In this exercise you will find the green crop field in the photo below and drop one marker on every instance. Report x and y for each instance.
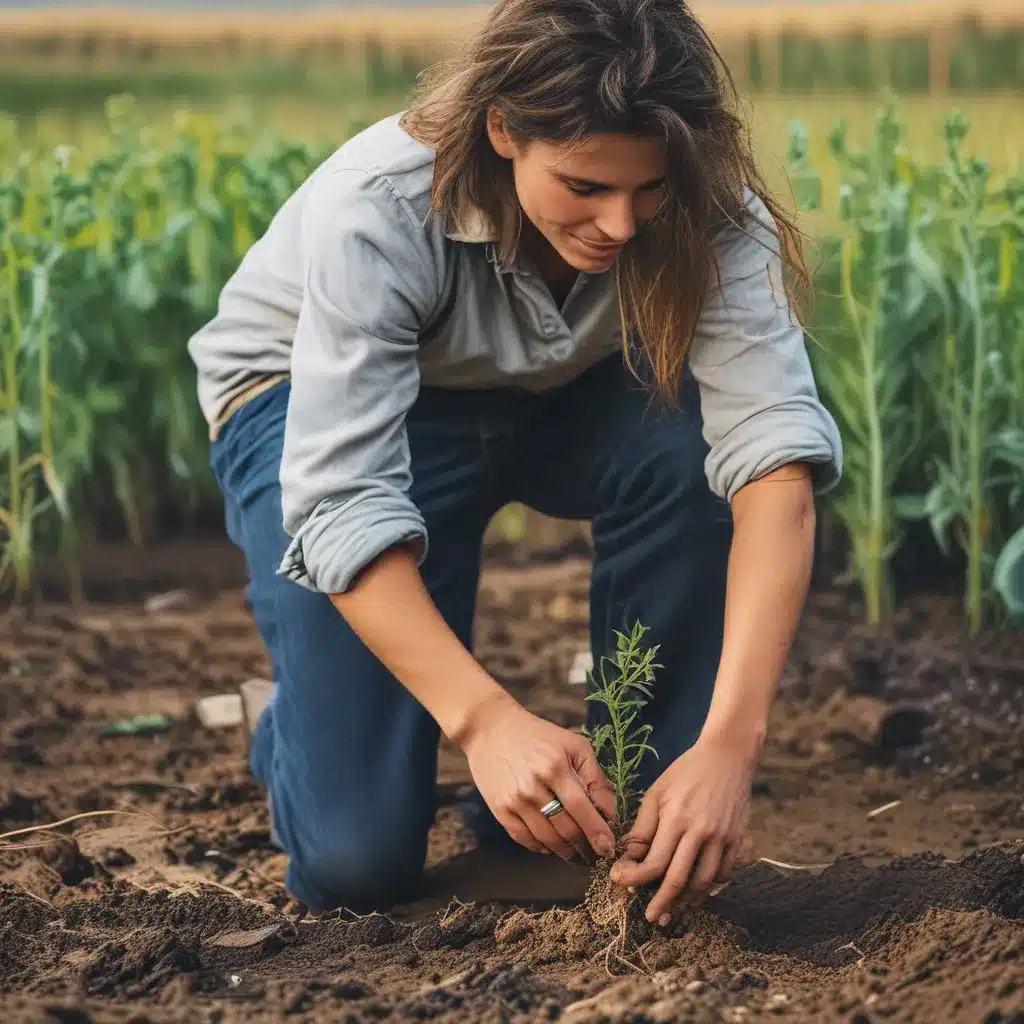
(120, 222)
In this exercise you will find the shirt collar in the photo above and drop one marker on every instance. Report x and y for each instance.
(473, 226)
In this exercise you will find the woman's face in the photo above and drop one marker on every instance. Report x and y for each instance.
(586, 200)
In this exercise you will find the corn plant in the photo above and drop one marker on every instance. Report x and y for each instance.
(921, 356)
(977, 468)
(891, 302)
(620, 742)
(1008, 570)
(108, 263)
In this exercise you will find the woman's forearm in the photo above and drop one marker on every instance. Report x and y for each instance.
(391, 611)
(769, 573)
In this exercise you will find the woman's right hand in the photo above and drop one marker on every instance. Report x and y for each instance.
(520, 762)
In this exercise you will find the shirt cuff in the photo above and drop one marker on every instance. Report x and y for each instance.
(796, 430)
(339, 540)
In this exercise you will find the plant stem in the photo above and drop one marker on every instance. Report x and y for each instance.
(12, 399)
(975, 445)
(872, 542)
(875, 582)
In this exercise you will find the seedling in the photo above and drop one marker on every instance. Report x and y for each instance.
(621, 744)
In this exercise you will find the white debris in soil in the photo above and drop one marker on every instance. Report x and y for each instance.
(582, 663)
(221, 711)
(166, 602)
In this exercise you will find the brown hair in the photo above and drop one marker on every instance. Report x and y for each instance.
(561, 70)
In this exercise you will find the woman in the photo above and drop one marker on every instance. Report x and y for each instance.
(472, 304)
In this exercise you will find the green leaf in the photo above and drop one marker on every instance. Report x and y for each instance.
(8, 433)
(57, 490)
(1008, 574)
(105, 400)
(911, 506)
(140, 725)
(139, 289)
(29, 421)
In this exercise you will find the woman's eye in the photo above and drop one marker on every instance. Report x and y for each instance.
(582, 190)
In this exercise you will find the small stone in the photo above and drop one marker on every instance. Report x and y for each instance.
(695, 987)
(221, 711)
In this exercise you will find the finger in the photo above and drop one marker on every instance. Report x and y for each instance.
(517, 829)
(676, 878)
(595, 784)
(638, 843)
(545, 833)
(657, 858)
(728, 862)
(570, 788)
(702, 878)
(565, 825)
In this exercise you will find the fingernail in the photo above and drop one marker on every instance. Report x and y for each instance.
(664, 920)
(631, 888)
(616, 874)
(605, 846)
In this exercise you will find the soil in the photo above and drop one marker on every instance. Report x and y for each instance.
(885, 882)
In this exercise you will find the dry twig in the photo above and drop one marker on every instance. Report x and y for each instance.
(77, 817)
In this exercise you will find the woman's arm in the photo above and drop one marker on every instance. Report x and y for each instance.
(424, 653)
(772, 444)
(693, 819)
(769, 573)
(518, 761)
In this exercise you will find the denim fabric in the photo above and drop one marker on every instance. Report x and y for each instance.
(347, 754)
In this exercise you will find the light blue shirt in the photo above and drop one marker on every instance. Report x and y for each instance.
(358, 296)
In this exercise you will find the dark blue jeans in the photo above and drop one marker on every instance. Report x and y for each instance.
(347, 754)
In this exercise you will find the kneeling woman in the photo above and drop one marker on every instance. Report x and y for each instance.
(557, 279)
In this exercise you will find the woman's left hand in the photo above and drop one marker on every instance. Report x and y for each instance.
(690, 826)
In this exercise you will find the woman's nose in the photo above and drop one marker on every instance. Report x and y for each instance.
(616, 219)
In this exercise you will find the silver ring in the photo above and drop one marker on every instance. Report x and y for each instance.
(549, 810)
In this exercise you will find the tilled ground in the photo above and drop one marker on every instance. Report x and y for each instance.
(887, 881)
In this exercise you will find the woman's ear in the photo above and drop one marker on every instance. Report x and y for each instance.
(499, 136)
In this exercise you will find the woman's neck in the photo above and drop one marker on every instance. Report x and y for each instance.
(558, 275)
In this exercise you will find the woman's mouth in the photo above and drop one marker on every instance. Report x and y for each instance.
(602, 250)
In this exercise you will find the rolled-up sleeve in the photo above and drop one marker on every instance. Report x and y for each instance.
(370, 278)
(759, 400)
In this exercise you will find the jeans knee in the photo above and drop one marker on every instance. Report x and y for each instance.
(362, 869)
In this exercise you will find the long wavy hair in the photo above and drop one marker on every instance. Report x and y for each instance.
(562, 70)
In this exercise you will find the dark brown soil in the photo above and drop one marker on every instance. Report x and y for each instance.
(176, 911)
